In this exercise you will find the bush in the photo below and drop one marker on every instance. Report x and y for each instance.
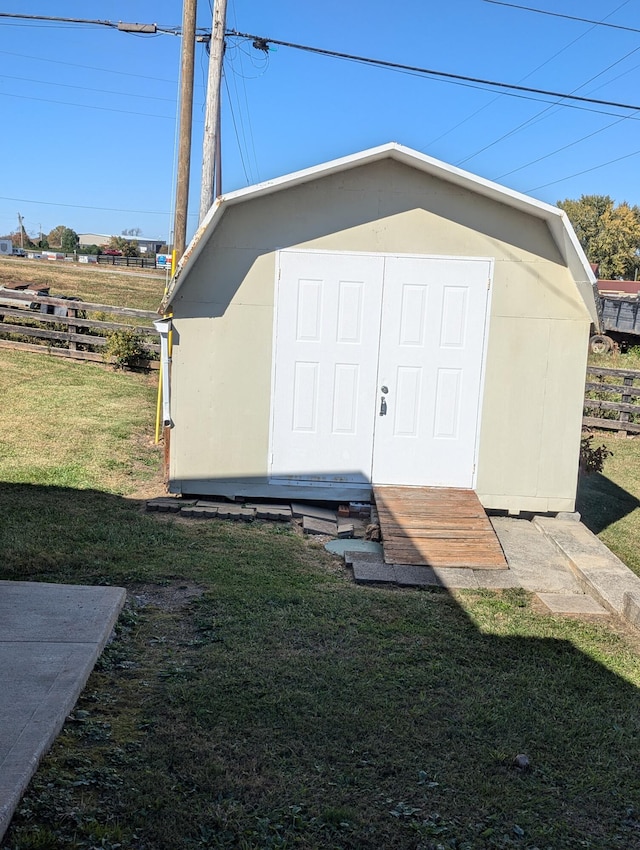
(124, 349)
(592, 459)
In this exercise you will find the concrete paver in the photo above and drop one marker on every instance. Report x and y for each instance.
(572, 603)
(533, 559)
(371, 570)
(50, 638)
(601, 573)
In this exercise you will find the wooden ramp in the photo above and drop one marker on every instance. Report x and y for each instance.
(436, 527)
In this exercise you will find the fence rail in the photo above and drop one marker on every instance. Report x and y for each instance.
(613, 391)
(62, 327)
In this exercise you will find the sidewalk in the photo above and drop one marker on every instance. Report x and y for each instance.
(50, 638)
(559, 560)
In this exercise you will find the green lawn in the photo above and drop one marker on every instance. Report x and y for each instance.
(282, 706)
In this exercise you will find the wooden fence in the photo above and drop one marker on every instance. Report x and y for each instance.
(71, 332)
(612, 393)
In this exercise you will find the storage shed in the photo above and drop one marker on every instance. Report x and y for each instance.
(384, 318)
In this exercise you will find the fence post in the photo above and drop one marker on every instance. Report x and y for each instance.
(626, 399)
(73, 329)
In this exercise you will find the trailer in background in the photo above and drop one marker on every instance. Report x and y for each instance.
(620, 323)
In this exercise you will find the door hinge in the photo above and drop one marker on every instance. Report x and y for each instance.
(489, 284)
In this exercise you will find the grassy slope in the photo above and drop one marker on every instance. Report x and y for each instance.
(286, 707)
(76, 424)
(610, 503)
(140, 288)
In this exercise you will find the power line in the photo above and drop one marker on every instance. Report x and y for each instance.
(84, 207)
(87, 67)
(586, 171)
(85, 88)
(150, 29)
(535, 118)
(262, 43)
(87, 106)
(538, 116)
(559, 15)
(522, 79)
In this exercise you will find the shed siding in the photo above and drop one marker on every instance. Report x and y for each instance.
(539, 326)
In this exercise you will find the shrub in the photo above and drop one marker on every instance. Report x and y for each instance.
(124, 349)
(592, 458)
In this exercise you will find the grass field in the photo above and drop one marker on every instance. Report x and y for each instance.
(256, 698)
(139, 288)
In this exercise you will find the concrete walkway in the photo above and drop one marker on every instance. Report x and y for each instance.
(559, 560)
(50, 638)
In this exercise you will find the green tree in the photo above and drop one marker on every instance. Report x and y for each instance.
(126, 246)
(609, 235)
(54, 238)
(69, 240)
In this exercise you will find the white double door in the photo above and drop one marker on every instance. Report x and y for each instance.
(378, 367)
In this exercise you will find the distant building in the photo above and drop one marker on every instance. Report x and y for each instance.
(102, 240)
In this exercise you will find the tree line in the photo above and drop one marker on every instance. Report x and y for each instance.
(609, 234)
(66, 240)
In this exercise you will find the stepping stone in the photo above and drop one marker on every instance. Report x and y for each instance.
(298, 509)
(345, 529)
(165, 505)
(353, 547)
(571, 603)
(275, 512)
(373, 572)
(281, 513)
(409, 575)
(496, 579)
(203, 513)
(310, 525)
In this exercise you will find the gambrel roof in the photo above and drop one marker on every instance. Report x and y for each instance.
(556, 219)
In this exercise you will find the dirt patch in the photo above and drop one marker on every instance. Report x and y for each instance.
(170, 597)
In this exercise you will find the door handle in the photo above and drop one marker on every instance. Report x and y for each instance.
(383, 406)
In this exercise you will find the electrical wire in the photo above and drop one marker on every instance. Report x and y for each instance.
(83, 207)
(567, 17)
(381, 63)
(548, 109)
(85, 88)
(522, 79)
(235, 127)
(585, 171)
(87, 67)
(87, 106)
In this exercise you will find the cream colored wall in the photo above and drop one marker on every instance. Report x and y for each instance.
(537, 342)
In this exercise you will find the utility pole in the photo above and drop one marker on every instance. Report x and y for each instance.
(184, 133)
(211, 141)
(21, 228)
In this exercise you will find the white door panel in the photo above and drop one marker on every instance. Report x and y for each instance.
(430, 361)
(326, 349)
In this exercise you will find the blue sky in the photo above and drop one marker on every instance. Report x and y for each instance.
(90, 130)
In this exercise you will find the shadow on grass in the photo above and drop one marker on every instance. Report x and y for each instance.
(601, 502)
(289, 708)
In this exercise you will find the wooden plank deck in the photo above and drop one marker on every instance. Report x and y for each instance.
(436, 527)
